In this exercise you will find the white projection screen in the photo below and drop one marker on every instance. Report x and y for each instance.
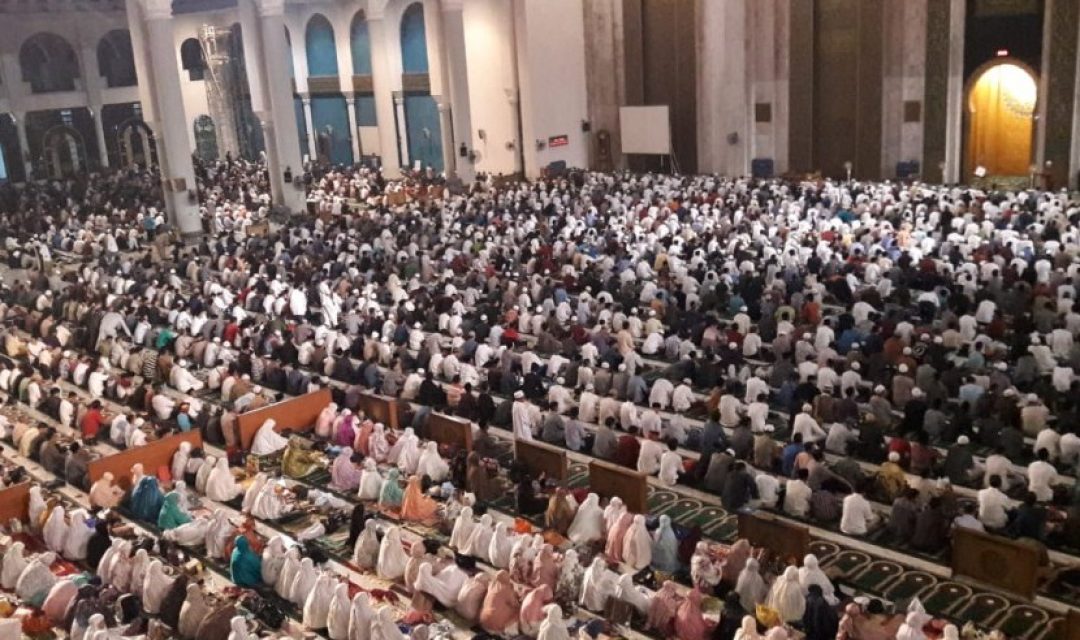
(645, 130)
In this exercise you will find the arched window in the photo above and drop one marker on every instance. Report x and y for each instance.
(321, 50)
(360, 44)
(414, 57)
(48, 63)
(116, 61)
(191, 58)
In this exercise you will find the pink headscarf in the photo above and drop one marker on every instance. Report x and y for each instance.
(614, 547)
(532, 606)
(346, 435)
(344, 473)
(545, 569)
(689, 623)
(500, 609)
(59, 599)
(662, 609)
(471, 597)
(325, 421)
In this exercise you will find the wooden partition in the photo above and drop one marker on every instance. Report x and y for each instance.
(789, 541)
(449, 430)
(296, 414)
(539, 457)
(15, 503)
(609, 480)
(1000, 562)
(1072, 625)
(151, 456)
(382, 409)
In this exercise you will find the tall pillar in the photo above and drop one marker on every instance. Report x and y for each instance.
(92, 85)
(178, 174)
(24, 144)
(380, 34)
(402, 130)
(954, 121)
(313, 154)
(457, 83)
(440, 79)
(723, 119)
(265, 54)
(99, 130)
(354, 130)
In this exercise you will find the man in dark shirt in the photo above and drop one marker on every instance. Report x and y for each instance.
(627, 449)
(739, 488)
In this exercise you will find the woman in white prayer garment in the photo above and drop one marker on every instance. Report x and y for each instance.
(337, 617)
(218, 535)
(361, 617)
(463, 526)
(289, 569)
(597, 585)
(55, 529)
(786, 596)
(588, 524)
(316, 604)
(155, 587)
(637, 545)
(273, 559)
(267, 441)
(303, 582)
(221, 486)
(500, 547)
(751, 586)
(252, 492)
(392, 558)
(480, 538)
(406, 452)
(553, 626)
(190, 534)
(632, 594)
(432, 464)
(36, 579)
(811, 573)
(443, 586)
(370, 481)
(366, 549)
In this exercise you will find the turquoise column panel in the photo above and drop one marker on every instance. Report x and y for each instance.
(423, 131)
(301, 125)
(330, 118)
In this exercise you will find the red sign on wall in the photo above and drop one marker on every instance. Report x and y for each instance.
(559, 141)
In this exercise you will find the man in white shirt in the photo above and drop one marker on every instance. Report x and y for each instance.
(992, 505)
(67, 410)
(522, 416)
(797, 495)
(683, 396)
(671, 465)
(730, 411)
(858, 516)
(806, 425)
(1041, 477)
(649, 456)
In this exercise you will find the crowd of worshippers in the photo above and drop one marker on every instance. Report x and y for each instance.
(914, 328)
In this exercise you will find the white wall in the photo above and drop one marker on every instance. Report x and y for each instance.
(551, 62)
(489, 57)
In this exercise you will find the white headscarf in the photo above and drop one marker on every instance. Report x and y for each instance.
(810, 573)
(444, 586)
(238, 629)
(612, 512)
(588, 525)
(180, 460)
(480, 538)
(253, 490)
(637, 544)
(366, 549)
(317, 605)
(361, 617)
(78, 535)
(406, 452)
(463, 526)
(597, 585)
(155, 587)
(628, 592)
(385, 626)
(787, 597)
(203, 474)
(219, 534)
(431, 464)
(273, 558)
(221, 486)
(289, 569)
(337, 617)
(192, 612)
(392, 558)
(139, 566)
(55, 530)
(268, 441)
(502, 543)
(14, 563)
(370, 481)
(37, 578)
(303, 582)
(748, 630)
(751, 586)
(37, 505)
(553, 627)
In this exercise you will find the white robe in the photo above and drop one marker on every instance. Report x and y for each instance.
(252, 491)
(463, 527)
(337, 617)
(317, 605)
(361, 617)
(36, 579)
(14, 563)
(370, 482)
(218, 534)
(273, 559)
(500, 547)
(431, 464)
(443, 586)
(588, 523)
(268, 441)
(810, 573)
(304, 581)
(221, 486)
(289, 569)
(366, 549)
(78, 536)
(637, 545)
(597, 585)
(480, 539)
(392, 558)
(55, 530)
(632, 594)
(190, 534)
(553, 627)
(787, 597)
(155, 587)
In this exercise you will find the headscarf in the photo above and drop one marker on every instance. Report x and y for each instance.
(366, 549)
(406, 452)
(37, 507)
(786, 596)
(304, 582)
(361, 617)
(146, 499)
(252, 492)
(325, 421)
(751, 586)
(614, 509)
(912, 629)
(553, 626)
(316, 604)
(36, 579)
(689, 623)
(477, 480)
(202, 476)
(172, 513)
(55, 529)
(245, 566)
(77, 536)
(463, 526)
(471, 597)
(560, 514)
(267, 441)
(104, 493)
(139, 565)
(378, 445)
(415, 506)
(810, 573)
(337, 617)
(219, 534)
(628, 592)
(479, 541)
(392, 558)
(299, 461)
(385, 625)
(662, 609)
(637, 545)
(192, 612)
(597, 585)
(180, 460)
(238, 629)
(616, 535)
(431, 464)
(345, 436)
(221, 486)
(370, 481)
(289, 568)
(588, 524)
(500, 546)
(59, 600)
(273, 558)
(665, 547)
(444, 586)
(568, 589)
(392, 493)
(362, 439)
(155, 587)
(748, 630)
(344, 472)
(532, 609)
(545, 568)
(499, 613)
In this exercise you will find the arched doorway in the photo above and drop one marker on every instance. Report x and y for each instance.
(136, 147)
(1001, 99)
(64, 152)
